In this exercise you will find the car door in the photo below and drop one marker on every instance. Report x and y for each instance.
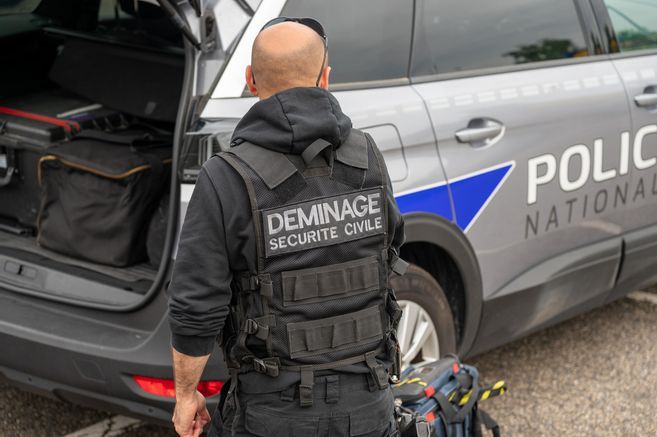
(528, 121)
(632, 27)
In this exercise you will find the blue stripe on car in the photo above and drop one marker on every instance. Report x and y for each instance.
(471, 194)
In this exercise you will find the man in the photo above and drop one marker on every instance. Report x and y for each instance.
(285, 254)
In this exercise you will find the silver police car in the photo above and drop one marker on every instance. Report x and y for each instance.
(520, 135)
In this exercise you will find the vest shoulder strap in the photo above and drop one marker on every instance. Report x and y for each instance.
(272, 167)
(353, 152)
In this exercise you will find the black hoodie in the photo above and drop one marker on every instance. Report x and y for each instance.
(290, 120)
(217, 237)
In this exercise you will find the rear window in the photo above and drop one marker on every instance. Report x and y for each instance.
(367, 39)
(635, 23)
(461, 35)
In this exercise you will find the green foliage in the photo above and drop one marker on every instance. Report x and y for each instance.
(545, 50)
(636, 40)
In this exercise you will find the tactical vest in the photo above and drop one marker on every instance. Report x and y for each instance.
(320, 298)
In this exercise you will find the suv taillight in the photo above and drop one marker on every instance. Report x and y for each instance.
(166, 387)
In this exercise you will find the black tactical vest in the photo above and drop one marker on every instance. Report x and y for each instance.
(319, 299)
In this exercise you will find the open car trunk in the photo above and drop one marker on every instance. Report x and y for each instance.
(86, 146)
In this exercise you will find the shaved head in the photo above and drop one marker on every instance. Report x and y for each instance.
(286, 55)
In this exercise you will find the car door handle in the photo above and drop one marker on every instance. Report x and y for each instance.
(647, 99)
(481, 132)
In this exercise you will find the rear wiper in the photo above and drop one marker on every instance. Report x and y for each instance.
(179, 23)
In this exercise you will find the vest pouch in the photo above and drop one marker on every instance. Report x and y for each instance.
(333, 281)
(265, 423)
(334, 334)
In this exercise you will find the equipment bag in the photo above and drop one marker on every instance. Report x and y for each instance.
(445, 394)
(157, 231)
(29, 125)
(98, 193)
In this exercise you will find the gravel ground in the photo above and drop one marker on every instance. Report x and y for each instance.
(593, 375)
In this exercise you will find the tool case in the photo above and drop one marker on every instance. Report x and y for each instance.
(29, 125)
(445, 394)
(99, 191)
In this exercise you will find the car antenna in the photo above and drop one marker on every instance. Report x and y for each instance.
(179, 22)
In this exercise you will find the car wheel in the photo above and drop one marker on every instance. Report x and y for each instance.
(426, 329)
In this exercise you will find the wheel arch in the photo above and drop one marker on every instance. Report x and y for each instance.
(446, 236)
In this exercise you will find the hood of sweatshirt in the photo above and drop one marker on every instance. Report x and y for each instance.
(291, 120)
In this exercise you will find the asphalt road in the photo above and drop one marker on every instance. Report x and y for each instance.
(593, 375)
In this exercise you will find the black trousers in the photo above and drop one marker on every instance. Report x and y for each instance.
(344, 405)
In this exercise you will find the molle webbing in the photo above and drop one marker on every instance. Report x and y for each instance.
(330, 282)
(333, 334)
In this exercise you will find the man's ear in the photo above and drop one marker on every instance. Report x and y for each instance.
(324, 79)
(250, 80)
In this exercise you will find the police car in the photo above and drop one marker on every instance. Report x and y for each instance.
(520, 136)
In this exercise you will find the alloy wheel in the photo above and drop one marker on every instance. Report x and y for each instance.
(417, 335)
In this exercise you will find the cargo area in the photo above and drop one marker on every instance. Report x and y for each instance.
(86, 147)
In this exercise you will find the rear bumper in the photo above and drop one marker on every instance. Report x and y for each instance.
(37, 357)
(44, 387)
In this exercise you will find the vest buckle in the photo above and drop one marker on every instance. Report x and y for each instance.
(379, 374)
(267, 366)
(251, 326)
(254, 327)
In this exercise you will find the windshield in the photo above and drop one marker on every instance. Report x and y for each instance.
(11, 7)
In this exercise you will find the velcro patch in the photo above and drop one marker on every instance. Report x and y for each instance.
(323, 222)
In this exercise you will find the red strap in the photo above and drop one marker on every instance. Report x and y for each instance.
(67, 125)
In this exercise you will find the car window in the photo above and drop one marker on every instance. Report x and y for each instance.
(461, 35)
(10, 7)
(635, 23)
(367, 39)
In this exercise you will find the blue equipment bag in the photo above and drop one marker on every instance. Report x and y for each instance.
(445, 395)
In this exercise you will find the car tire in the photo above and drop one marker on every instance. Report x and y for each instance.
(418, 287)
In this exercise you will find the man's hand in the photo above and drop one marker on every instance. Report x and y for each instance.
(191, 415)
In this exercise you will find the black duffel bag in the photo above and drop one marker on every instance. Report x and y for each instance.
(157, 231)
(98, 193)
